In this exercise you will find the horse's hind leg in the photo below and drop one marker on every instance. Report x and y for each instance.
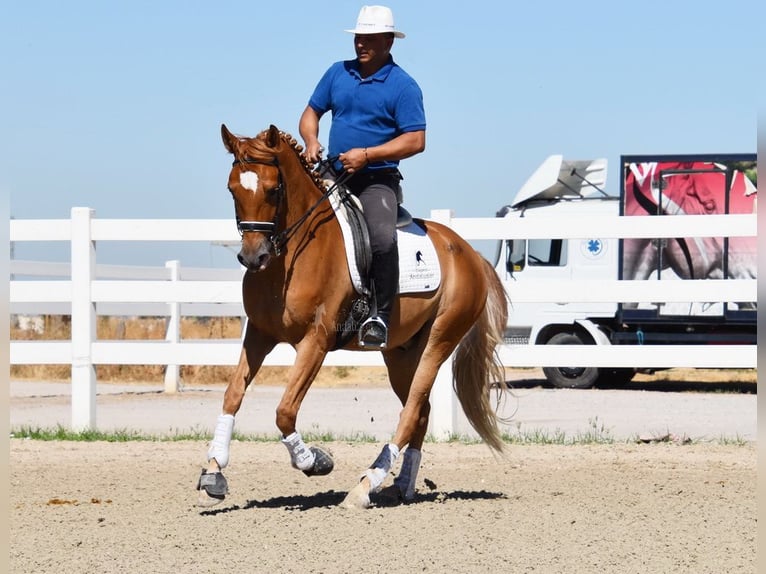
(412, 426)
(402, 365)
(212, 485)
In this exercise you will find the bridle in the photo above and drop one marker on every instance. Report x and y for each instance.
(278, 240)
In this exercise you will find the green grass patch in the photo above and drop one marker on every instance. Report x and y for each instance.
(61, 433)
(735, 441)
(597, 434)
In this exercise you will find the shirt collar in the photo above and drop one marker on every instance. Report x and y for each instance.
(379, 76)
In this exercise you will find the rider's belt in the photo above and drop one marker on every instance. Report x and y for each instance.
(384, 171)
(387, 176)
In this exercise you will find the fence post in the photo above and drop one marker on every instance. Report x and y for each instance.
(83, 260)
(444, 405)
(173, 331)
(443, 420)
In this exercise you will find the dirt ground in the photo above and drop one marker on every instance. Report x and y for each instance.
(627, 508)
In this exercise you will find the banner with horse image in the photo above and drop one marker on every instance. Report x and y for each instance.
(686, 186)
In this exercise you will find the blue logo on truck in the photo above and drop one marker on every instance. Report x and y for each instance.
(592, 248)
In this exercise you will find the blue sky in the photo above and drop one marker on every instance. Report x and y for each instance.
(117, 105)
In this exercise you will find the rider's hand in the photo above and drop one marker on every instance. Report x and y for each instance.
(353, 160)
(313, 153)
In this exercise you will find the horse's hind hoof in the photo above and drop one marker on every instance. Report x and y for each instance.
(212, 487)
(391, 496)
(323, 463)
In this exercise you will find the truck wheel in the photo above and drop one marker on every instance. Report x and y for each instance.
(570, 377)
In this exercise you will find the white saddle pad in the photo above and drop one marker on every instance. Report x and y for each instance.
(419, 269)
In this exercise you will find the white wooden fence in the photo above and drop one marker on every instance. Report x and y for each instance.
(89, 289)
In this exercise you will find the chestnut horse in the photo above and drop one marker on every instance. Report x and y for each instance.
(296, 290)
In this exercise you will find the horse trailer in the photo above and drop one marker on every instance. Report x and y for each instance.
(649, 185)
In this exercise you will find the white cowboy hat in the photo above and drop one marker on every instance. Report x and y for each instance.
(375, 20)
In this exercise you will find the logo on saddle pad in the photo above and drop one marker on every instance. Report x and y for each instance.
(419, 269)
(419, 272)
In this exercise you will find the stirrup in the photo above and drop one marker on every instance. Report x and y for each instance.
(373, 334)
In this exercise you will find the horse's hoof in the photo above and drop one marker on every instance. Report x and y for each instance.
(323, 463)
(391, 496)
(357, 498)
(204, 500)
(212, 487)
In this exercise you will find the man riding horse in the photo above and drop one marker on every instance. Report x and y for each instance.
(378, 120)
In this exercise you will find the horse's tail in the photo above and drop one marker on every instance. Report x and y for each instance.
(476, 363)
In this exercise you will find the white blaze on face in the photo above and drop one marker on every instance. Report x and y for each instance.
(249, 180)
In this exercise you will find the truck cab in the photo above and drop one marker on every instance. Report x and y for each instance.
(566, 190)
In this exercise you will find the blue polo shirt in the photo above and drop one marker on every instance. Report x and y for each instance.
(370, 111)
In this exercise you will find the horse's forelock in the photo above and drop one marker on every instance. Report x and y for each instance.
(256, 148)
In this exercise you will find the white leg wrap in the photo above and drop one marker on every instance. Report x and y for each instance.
(219, 446)
(377, 473)
(408, 476)
(300, 455)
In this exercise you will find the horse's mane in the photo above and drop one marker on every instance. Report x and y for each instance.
(258, 148)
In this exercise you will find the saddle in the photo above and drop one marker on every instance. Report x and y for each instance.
(352, 209)
(357, 243)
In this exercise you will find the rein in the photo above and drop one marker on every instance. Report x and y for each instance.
(280, 239)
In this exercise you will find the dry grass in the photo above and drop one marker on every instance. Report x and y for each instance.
(57, 327)
(704, 375)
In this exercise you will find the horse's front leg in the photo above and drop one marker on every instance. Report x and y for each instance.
(313, 461)
(212, 485)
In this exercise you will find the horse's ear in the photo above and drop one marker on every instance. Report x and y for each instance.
(273, 136)
(230, 141)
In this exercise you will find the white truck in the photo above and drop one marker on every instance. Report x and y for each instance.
(649, 185)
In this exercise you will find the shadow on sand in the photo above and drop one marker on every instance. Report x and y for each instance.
(332, 498)
(665, 386)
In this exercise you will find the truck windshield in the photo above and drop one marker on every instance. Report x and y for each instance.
(536, 253)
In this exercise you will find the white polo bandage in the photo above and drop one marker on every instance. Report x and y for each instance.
(219, 446)
(300, 455)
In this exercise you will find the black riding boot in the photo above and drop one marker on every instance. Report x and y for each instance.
(385, 277)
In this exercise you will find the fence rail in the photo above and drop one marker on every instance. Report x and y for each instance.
(85, 289)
